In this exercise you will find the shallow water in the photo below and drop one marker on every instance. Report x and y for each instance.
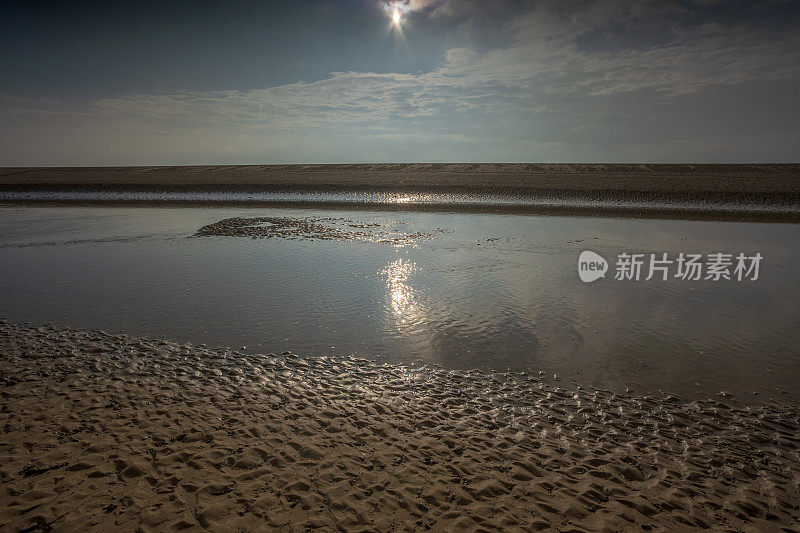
(495, 291)
(357, 199)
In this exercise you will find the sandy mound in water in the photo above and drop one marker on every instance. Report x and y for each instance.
(323, 229)
(119, 433)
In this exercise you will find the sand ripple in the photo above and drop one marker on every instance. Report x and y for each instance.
(116, 432)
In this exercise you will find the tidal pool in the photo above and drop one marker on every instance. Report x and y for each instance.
(461, 290)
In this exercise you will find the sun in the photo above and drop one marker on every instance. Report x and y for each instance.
(396, 17)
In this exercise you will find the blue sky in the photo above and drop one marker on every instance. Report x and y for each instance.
(104, 83)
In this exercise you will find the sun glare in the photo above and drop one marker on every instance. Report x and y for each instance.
(396, 17)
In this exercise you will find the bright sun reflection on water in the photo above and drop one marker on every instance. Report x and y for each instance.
(401, 295)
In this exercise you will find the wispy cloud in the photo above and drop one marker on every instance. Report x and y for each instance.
(529, 76)
(545, 87)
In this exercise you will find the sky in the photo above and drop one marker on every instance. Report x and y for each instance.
(307, 81)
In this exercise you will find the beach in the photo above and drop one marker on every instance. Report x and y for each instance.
(400, 265)
(110, 431)
(582, 177)
(763, 192)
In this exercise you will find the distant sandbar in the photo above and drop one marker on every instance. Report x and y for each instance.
(753, 191)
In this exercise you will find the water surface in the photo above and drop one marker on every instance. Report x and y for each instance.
(493, 291)
(595, 203)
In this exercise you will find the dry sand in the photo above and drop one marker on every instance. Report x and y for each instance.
(112, 432)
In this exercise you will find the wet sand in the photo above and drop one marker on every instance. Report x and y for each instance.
(115, 432)
(696, 191)
(324, 229)
(657, 178)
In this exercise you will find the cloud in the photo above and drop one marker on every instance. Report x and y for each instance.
(566, 77)
(532, 75)
(410, 5)
(459, 57)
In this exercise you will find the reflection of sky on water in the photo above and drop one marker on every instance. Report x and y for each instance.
(498, 291)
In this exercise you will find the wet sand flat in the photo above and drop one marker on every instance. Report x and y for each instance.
(663, 178)
(765, 192)
(117, 432)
